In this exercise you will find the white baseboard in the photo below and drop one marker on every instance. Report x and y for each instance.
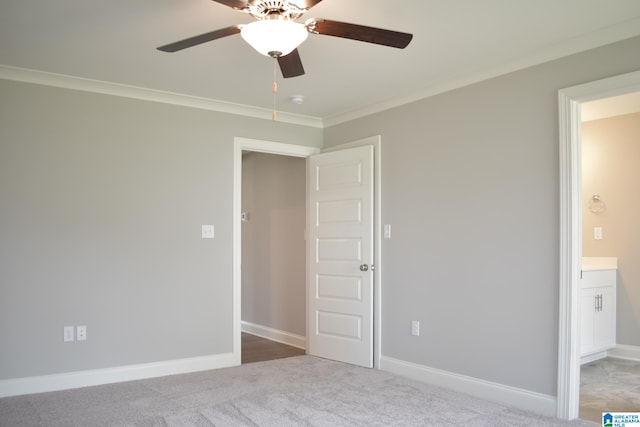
(628, 352)
(593, 357)
(275, 335)
(68, 380)
(523, 399)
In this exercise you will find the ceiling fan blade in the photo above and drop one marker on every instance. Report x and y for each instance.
(236, 4)
(202, 38)
(359, 32)
(291, 65)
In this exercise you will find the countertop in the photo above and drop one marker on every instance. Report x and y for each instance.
(599, 263)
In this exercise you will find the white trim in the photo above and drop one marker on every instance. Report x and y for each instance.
(570, 254)
(239, 145)
(276, 335)
(612, 34)
(107, 88)
(68, 380)
(592, 357)
(519, 398)
(257, 145)
(628, 352)
(569, 101)
(376, 141)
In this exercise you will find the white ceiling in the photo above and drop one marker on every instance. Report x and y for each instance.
(455, 42)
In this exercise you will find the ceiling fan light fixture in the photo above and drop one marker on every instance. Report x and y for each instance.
(274, 37)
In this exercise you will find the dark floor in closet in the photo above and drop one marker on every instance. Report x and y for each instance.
(258, 349)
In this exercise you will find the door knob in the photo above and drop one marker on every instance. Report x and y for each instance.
(364, 267)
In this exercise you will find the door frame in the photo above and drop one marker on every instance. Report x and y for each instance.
(241, 144)
(570, 123)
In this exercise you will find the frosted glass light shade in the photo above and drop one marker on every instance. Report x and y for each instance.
(274, 35)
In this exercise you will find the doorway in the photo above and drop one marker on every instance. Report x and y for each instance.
(570, 101)
(273, 256)
(250, 145)
(261, 217)
(610, 151)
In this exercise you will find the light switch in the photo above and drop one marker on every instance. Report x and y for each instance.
(597, 233)
(68, 334)
(208, 232)
(387, 231)
(415, 328)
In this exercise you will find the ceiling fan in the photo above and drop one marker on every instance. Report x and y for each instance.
(276, 34)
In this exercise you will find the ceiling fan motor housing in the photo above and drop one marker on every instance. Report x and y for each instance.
(261, 9)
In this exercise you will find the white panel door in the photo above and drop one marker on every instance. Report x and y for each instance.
(340, 294)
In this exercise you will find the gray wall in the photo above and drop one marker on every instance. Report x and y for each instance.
(102, 202)
(470, 184)
(273, 245)
(103, 198)
(610, 158)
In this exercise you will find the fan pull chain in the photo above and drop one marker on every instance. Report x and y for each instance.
(274, 89)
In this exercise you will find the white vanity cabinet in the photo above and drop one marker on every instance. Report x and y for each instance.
(598, 310)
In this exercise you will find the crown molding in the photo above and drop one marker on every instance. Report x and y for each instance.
(595, 39)
(108, 88)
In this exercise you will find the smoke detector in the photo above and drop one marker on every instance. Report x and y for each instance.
(297, 99)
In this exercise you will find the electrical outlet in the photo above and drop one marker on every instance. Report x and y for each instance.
(208, 232)
(415, 328)
(68, 334)
(82, 333)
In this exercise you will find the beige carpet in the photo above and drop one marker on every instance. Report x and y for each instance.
(298, 391)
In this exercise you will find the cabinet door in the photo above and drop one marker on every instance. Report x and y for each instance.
(588, 305)
(604, 334)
